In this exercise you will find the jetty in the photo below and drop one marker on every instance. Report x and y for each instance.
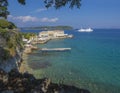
(55, 49)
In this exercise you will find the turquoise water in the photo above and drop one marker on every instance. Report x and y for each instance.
(93, 63)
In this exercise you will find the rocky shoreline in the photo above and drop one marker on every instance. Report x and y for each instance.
(15, 82)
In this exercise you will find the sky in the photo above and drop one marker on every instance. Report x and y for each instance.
(92, 13)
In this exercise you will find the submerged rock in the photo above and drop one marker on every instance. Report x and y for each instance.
(15, 82)
(39, 65)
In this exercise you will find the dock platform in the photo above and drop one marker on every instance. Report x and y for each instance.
(55, 49)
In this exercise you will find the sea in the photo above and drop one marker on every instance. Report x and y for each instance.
(93, 63)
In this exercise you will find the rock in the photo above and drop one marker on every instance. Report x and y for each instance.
(44, 90)
(3, 76)
(15, 82)
(47, 82)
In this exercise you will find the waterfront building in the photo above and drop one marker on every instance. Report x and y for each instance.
(53, 34)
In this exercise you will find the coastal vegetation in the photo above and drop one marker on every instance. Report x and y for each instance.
(28, 35)
(10, 39)
(5, 25)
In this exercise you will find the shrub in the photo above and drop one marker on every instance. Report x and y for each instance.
(4, 24)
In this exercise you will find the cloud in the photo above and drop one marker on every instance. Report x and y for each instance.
(26, 18)
(39, 10)
(49, 20)
(10, 16)
(32, 19)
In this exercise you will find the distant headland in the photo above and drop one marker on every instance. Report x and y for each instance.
(48, 28)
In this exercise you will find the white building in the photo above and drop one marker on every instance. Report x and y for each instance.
(52, 34)
(25, 40)
(43, 34)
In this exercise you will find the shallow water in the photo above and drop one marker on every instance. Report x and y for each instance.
(93, 63)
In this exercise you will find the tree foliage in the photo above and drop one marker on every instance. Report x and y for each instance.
(28, 35)
(48, 3)
(59, 3)
(3, 8)
(4, 24)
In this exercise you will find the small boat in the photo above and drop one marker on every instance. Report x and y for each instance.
(70, 36)
(85, 30)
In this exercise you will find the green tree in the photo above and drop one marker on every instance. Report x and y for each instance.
(48, 3)
(28, 35)
(12, 25)
(59, 3)
(6, 24)
(3, 8)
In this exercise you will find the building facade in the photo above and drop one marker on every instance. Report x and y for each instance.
(52, 34)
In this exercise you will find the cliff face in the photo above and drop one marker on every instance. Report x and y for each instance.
(10, 50)
(12, 62)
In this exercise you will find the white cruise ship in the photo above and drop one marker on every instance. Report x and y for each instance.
(85, 30)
